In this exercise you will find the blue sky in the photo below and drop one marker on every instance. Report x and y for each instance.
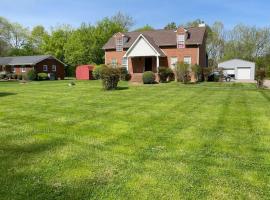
(156, 13)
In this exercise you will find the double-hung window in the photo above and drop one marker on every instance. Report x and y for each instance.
(124, 62)
(119, 44)
(114, 62)
(187, 60)
(54, 68)
(181, 41)
(174, 61)
(45, 68)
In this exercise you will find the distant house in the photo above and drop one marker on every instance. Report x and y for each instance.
(147, 50)
(44, 63)
(239, 69)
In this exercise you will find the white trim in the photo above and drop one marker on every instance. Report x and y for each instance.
(135, 42)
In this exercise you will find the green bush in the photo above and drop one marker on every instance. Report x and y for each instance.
(149, 77)
(97, 71)
(182, 72)
(31, 75)
(3, 75)
(19, 77)
(171, 76)
(9, 75)
(165, 74)
(42, 76)
(14, 76)
(124, 75)
(197, 71)
(110, 77)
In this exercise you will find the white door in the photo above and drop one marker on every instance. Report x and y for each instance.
(243, 73)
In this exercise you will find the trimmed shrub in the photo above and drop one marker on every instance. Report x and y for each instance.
(9, 76)
(14, 76)
(19, 77)
(163, 74)
(3, 75)
(97, 71)
(182, 72)
(260, 76)
(31, 75)
(170, 73)
(110, 77)
(124, 75)
(42, 76)
(148, 77)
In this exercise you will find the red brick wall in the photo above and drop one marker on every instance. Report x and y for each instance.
(112, 54)
(60, 68)
(180, 54)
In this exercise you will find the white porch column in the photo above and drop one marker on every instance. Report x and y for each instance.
(127, 62)
(157, 62)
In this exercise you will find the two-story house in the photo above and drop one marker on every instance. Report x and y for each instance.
(147, 50)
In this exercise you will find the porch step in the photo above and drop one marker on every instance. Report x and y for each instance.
(136, 77)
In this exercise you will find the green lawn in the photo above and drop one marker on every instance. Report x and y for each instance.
(166, 141)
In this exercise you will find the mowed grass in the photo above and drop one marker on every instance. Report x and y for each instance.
(166, 141)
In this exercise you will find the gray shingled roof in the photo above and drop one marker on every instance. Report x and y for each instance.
(23, 60)
(162, 37)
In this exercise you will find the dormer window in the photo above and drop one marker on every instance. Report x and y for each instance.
(119, 44)
(181, 41)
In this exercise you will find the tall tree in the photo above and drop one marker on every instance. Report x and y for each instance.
(171, 26)
(215, 43)
(147, 27)
(54, 43)
(124, 20)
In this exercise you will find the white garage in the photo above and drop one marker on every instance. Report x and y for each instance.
(239, 69)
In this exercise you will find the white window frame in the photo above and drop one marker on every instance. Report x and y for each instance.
(119, 44)
(124, 62)
(174, 61)
(54, 68)
(45, 68)
(23, 69)
(181, 41)
(187, 60)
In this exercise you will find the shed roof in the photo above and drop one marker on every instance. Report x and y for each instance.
(25, 60)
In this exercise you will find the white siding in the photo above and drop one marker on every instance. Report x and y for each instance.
(142, 48)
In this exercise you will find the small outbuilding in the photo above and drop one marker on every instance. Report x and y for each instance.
(84, 72)
(239, 69)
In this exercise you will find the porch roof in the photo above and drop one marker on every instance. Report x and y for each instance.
(144, 45)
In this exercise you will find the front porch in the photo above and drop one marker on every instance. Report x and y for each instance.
(139, 65)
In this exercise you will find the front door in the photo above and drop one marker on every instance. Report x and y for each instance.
(148, 64)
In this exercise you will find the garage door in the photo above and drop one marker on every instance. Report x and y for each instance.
(243, 73)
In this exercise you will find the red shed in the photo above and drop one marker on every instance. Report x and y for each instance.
(84, 72)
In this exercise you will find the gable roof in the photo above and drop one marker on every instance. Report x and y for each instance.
(161, 37)
(236, 60)
(25, 60)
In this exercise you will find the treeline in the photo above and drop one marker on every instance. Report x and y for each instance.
(83, 45)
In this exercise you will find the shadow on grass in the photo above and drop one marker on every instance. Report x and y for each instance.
(122, 88)
(3, 94)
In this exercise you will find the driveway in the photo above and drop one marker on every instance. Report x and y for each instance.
(267, 83)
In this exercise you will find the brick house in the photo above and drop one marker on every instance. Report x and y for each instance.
(22, 64)
(147, 50)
